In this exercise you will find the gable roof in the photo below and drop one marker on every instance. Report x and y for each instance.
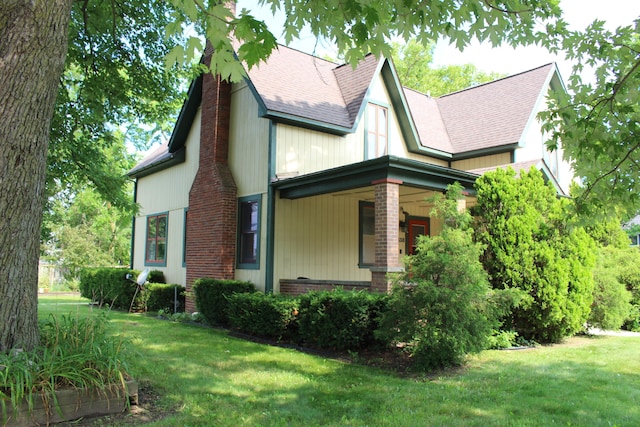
(493, 114)
(297, 86)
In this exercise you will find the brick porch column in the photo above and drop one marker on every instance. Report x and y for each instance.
(387, 258)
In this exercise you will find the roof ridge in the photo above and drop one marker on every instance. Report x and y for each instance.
(279, 45)
(497, 80)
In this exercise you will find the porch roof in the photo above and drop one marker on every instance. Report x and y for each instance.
(363, 174)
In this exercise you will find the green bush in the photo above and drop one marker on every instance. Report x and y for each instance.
(269, 316)
(156, 276)
(339, 320)
(110, 286)
(160, 296)
(531, 244)
(73, 352)
(211, 297)
(439, 309)
(611, 299)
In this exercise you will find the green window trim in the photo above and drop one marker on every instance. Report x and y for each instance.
(248, 232)
(155, 248)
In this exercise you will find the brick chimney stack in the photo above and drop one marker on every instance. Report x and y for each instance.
(211, 218)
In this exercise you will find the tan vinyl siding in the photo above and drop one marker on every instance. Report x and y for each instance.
(317, 238)
(427, 159)
(302, 151)
(482, 162)
(168, 191)
(249, 143)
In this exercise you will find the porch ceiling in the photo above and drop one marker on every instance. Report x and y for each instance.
(412, 173)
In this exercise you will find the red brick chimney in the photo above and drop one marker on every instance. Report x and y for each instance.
(211, 218)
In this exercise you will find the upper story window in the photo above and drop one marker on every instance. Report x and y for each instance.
(248, 232)
(377, 131)
(156, 247)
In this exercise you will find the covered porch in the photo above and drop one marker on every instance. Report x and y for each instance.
(350, 226)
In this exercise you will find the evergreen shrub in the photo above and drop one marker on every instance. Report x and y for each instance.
(160, 296)
(339, 320)
(264, 315)
(211, 297)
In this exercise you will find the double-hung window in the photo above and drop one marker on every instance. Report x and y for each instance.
(377, 131)
(156, 247)
(248, 254)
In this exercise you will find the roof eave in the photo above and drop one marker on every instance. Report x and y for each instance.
(362, 174)
(166, 161)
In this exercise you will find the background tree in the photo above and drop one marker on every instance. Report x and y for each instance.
(531, 245)
(33, 51)
(414, 63)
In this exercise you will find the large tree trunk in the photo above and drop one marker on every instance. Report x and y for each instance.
(33, 47)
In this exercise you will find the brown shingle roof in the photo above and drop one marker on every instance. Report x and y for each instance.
(492, 114)
(298, 84)
(428, 121)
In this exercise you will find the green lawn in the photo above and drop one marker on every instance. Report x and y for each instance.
(207, 378)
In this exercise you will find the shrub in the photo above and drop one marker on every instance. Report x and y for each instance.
(270, 316)
(160, 296)
(73, 352)
(611, 300)
(110, 286)
(156, 276)
(211, 297)
(439, 308)
(502, 339)
(339, 320)
(531, 245)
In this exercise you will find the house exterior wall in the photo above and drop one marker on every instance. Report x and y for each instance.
(301, 151)
(482, 162)
(248, 160)
(168, 191)
(317, 238)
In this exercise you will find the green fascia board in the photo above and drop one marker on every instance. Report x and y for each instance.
(401, 107)
(362, 174)
(166, 161)
(187, 114)
(306, 123)
(485, 152)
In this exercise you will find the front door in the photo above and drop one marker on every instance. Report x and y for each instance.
(416, 227)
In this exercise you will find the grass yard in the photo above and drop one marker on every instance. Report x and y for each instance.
(204, 377)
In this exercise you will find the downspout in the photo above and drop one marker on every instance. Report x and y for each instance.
(271, 209)
(133, 224)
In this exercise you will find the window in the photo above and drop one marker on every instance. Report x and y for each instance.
(367, 239)
(376, 144)
(156, 248)
(249, 232)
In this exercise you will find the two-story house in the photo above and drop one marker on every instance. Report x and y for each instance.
(310, 174)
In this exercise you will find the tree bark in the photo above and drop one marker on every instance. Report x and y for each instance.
(33, 48)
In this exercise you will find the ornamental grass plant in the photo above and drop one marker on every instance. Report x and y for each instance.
(75, 352)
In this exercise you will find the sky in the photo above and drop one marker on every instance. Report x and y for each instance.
(506, 60)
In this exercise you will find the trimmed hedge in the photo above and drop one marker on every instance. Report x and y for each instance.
(339, 320)
(269, 316)
(109, 285)
(160, 296)
(211, 297)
